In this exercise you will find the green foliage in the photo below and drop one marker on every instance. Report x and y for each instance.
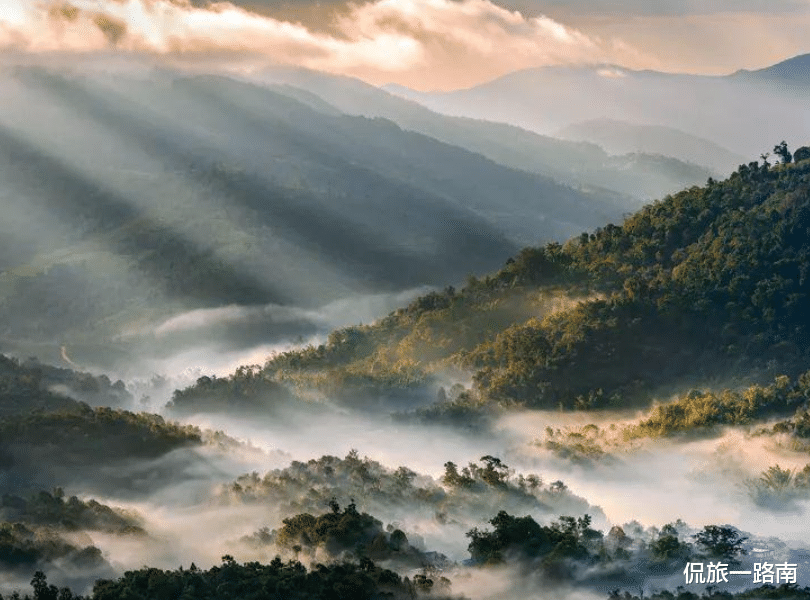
(254, 581)
(710, 273)
(582, 445)
(777, 478)
(309, 486)
(28, 386)
(83, 436)
(23, 547)
(721, 542)
(698, 411)
(453, 479)
(493, 473)
(246, 390)
(778, 488)
(336, 531)
(43, 591)
(781, 150)
(466, 411)
(40, 427)
(569, 549)
(400, 355)
(556, 546)
(785, 591)
(486, 486)
(340, 533)
(709, 282)
(70, 514)
(668, 547)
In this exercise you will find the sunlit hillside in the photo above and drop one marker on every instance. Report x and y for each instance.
(418, 300)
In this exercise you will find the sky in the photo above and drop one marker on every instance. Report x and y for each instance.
(423, 44)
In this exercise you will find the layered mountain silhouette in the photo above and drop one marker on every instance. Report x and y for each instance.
(135, 194)
(623, 137)
(131, 196)
(793, 74)
(742, 112)
(649, 173)
(707, 285)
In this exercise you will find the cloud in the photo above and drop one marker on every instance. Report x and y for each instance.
(177, 27)
(611, 73)
(654, 7)
(465, 40)
(709, 43)
(476, 26)
(425, 44)
(308, 8)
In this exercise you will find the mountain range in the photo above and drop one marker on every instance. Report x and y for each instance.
(130, 199)
(147, 204)
(744, 112)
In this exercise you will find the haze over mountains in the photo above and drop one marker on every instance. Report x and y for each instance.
(792, 75)
(640, 176)
(370, 350)
(622, 137)
(259, 197)
(284, 191)
(738, 112)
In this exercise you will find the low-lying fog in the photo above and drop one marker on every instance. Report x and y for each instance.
(653, 482)
(701, 482)
(172, 353)
(274, 252)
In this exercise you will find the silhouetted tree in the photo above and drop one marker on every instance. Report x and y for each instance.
(721, 542)
(802, 153)
(764, 156)
(43, 591)
(781, 150)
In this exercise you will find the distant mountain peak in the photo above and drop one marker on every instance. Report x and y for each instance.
(794, 70)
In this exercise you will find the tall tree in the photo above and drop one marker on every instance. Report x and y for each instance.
(781, 150)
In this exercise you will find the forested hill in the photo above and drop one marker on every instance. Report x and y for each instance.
(176, 192)
(701, 286)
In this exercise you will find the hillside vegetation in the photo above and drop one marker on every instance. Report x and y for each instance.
(462, 492)
(157, 202)
(708, 284)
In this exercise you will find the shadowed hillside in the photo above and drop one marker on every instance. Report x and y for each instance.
(704, 285)
(178, 192)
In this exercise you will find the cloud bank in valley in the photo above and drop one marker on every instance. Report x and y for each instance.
(424, 42)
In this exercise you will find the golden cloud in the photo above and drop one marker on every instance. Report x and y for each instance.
(428, 39)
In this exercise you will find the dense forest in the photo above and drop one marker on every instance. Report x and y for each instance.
(566, 551)
(698, 297)
(705, 285)
(483, 486)
(584, 421)
(702, 288)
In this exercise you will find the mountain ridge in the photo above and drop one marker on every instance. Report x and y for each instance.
(794, 71)
(578, 164)
(700, 287)
(730, 110)
(262, 198)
